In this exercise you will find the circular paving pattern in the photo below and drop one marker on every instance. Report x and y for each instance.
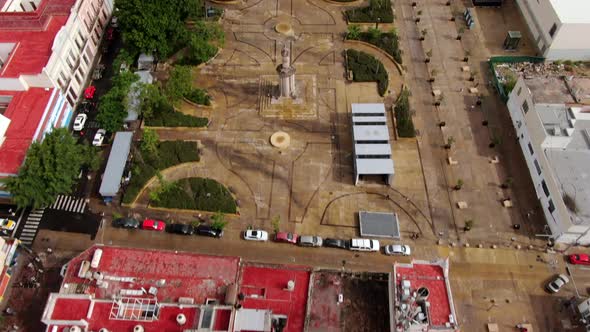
(284, 28)
(280, 140)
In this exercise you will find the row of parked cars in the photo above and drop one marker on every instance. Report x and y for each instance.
(159, 225)
(316, 241)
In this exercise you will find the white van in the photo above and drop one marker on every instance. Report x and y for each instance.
(364, 245)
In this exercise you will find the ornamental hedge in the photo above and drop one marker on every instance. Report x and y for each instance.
(365, 68)
(197, 194)
(378, 11)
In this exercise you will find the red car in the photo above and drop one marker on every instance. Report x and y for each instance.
(153, 225)
(89, 92)
(581, 259)
(286, 237)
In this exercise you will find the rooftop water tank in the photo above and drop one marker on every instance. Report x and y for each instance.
(181, 319)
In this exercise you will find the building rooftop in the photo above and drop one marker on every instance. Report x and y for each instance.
(26, 111)
(434, 277)
(266, 288)
(32, 49)
(572, 11)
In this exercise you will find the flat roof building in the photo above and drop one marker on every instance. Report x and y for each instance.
(47, 50)
(558, 27)
(555, 141)
(372, 151)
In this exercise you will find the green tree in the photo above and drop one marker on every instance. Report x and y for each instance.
(149, 141)
(158, 25)
(113, 105)
(374, 34)
(353, 31)
(93, 157)
(276, 223)
(179, 83)
(150, 100)
(219, 221)
(50, 168)
(199, 50)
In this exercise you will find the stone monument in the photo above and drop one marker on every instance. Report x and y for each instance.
(286, 75)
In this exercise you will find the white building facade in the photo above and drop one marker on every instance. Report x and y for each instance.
(560, 28)
(555, 142)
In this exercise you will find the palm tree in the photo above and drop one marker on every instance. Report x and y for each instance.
(353, 31)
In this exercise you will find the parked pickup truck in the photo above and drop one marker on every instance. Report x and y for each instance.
(364, 245)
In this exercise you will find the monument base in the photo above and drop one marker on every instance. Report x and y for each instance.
(302, 106)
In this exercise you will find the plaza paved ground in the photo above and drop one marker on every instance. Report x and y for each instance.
(310, 184)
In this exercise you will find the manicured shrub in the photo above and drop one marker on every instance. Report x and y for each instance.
(166, 116)
(405, 125)
(377, 11)
(145, 166)
(387, 41)
(198, 194)
(365, 68)
(199, 96)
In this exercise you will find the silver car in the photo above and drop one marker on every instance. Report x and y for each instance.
(310, 241)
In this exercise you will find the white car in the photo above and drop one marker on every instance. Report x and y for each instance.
(99, 137)
(557, 283)
(364, 245)
(255, 235)
(79, 121)
(397, 249)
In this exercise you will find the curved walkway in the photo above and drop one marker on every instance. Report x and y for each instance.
(393, 71)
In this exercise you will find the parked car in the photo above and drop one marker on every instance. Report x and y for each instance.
(397, 249)
(99, 137)
(89, 92)
(336, 243)
(126, 223)
(182, 229)
(557, 283)
(286, 237)
(7, 224)
(255, 235)
(310, 241)
(364, 245)
(581, 259)
(153, 225)
(79, 121)
(207, 230)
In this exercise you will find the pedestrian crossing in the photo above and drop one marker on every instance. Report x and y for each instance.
(31, 225)
(69, 203)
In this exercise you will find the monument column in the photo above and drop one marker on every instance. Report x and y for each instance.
(286, 74)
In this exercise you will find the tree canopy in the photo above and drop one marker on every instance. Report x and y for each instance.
(113, 104)
(156, 26)
(179, 83)
(50, 168)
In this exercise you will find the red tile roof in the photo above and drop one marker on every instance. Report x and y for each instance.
(25, 112)
(32, 49)
(433, 278)
(269, 284)
(36, 20)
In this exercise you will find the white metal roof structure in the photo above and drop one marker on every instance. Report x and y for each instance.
(372, 151)
(572, 11)
(111, 181)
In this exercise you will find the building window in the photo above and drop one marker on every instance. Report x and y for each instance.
(519, 91)
(525, 107)
(545, 189)
(86, 61)
(537, 167)
(552, 30)
(530, 148)
(70, 101)
(551, 206)
(77, 77)
(61, 84)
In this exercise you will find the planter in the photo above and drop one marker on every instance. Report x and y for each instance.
(504, 186)
(457, 187)
(452, 19)
(431, 80)
(437, 103)
(478, 102)
(492, 145)
(422, 38)
(459, 37)
(465, 59)
(442, 124)
(414, 4)
(471, 79)
(447, 146)
(417, 20)
(466, 228)
(448, 3)
(427, 60)
(484, 123)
